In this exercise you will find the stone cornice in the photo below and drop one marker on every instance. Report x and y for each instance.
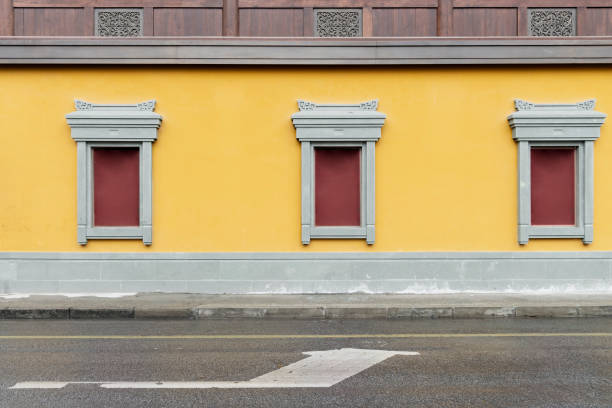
(338, 122)
(555, 122)
(278, 51)
(114, 122)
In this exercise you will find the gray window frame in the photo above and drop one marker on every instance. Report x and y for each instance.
(552, 126)
(114, 126)
(143, 230)
(366, 169)
(583, 191)
(338, 125)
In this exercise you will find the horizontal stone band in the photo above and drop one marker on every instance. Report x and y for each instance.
(278, 51)
(290, 272)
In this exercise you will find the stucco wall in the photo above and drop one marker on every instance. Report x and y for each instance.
(226, 166)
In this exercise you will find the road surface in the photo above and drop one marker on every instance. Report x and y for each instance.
(460, 363)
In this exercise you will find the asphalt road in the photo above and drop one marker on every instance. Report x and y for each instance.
(509, 363)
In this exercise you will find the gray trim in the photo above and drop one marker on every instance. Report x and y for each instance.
(337, 232)
(556, 125)
(93, 232)
(104, 125)
(370, 192)
(82, 193)
(291, 272)
(249, 51)
(114, 232)
(343, 125)
(306, 189)
(146, 192)
(308, 256)
(524, 192)
(589, 191)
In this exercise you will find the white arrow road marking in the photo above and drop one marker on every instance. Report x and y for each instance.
(39, 384)
(320, 370)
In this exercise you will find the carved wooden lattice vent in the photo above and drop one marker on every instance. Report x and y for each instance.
(119, 22)
(552, 22)
(337, 23)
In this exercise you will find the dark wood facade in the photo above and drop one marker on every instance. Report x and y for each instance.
(294, 18)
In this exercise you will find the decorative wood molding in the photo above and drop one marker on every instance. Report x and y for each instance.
(335, 3)
(117, 3)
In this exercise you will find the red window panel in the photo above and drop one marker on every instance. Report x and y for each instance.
(337, 186)
(553, 186)
(116, 182)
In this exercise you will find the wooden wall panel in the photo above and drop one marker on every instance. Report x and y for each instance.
(294, 18)
(271, 22)
(187, 22)
(54, 21)
(404, 22)
(480, 22)
(230, 18)
(6, 17)
(596, 21)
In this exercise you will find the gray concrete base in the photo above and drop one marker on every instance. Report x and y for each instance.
(287, 272)
(189, 306)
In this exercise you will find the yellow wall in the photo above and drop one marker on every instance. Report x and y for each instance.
(226, 166)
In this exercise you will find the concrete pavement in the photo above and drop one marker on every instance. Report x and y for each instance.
(341, 306)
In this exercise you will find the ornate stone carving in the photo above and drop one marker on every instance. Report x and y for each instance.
(552, 22)
(82, 105)
(337, 23)
(119, 22)
(589, 104)
(306, 105)
(369, 105)
(147, 106)
(523, 105)
(310, 106)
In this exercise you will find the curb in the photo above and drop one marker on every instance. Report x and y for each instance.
(310, 312)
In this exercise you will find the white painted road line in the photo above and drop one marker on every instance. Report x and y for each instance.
(321, 369)
(39, 384)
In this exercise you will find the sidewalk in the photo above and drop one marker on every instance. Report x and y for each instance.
(342, 306)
